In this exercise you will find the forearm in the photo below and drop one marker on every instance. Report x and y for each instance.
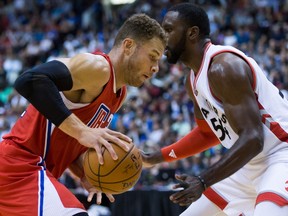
(41, 86)
(245, 148)
(198, 140)
(193, 143)
(73, 126)
(77, 167)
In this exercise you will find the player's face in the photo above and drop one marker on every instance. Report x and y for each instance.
(176, 33)
(144, 62)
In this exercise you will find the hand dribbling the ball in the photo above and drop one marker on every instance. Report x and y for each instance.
(94, 137)
(92, 191)
(98, 137)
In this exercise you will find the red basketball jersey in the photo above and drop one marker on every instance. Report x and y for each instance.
(37, 135)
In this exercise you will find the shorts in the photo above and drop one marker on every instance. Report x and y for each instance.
(257, 183)
(28, 189)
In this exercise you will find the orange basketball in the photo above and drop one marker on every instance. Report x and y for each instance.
(114, 176)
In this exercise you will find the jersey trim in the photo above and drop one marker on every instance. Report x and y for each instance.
(214, 197)
(41, 192)
(273, 126)
(202, 63)
(217, 53)
(272, 197)
(48, 138)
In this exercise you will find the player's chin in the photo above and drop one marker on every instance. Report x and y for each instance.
(139, 83)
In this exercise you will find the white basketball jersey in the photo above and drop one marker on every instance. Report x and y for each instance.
(272, 105)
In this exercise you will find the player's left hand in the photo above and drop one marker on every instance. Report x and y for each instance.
(93, 191)
(192, 190)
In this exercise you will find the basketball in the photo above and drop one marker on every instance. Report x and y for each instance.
(114, 176)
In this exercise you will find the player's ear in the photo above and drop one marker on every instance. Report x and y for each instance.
(192, 32)
(128, 45)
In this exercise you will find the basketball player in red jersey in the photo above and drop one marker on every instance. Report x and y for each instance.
(72, 103)
(237, 106)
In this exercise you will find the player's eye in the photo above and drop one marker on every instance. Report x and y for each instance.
(168, 30)
(153, 58)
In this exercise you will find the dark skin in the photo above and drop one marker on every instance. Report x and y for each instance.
(230, 79)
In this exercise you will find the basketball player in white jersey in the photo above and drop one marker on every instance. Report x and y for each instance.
(237, 106)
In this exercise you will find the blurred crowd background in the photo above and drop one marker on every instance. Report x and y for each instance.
(160, 112)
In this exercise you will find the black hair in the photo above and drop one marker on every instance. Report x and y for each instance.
(193, 15)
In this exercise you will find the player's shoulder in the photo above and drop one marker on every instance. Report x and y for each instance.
(96, 62)
(91, 65)
(228, 64)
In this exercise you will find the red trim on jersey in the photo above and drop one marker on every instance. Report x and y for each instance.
(272, 197)
(274, 126)
(227, 51)
(200, 69)
(214, 197)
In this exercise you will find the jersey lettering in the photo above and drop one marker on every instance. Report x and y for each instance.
(102, 117)
(205, 112)
(217, 123)
(218, 126)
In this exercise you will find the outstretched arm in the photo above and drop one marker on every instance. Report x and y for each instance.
(198, 140)
(230, 80)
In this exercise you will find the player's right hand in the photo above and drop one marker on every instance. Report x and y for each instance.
(150, 159)
(192, 190)
(92, 191)
(98, 138)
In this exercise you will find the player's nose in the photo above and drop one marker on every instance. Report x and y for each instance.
(155, 68)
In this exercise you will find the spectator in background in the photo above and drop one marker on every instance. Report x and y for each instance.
(12, 66)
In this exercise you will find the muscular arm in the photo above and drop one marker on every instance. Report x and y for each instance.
(77, 167)
(81, 79)
(230, 80)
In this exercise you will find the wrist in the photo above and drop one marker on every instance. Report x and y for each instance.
(157, 157)
(74, 127)
(204, 185)
(150, 159)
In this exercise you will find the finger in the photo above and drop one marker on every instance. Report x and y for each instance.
(90, 196)
(121, 143)
(111, 150)
(99, 154)
(183, 185)
(110, 197)
(185, 203)
(120, 136)
(183, 200)
(176, 186)
(181, 177)
(181, 194)
(99, 198)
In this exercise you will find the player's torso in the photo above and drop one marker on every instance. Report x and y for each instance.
(36, 134)
(271, 105)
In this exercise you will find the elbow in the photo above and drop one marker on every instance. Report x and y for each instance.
(23, 84)
(259, 144)
(257, 141)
